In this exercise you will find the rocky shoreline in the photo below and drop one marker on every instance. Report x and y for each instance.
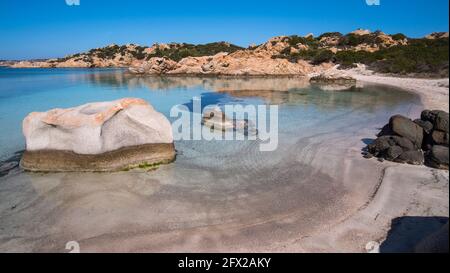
(422, 141)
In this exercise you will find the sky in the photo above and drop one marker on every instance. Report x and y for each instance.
(50, 28)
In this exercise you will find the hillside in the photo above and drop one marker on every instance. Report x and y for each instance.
(396, 54)
(130, 54)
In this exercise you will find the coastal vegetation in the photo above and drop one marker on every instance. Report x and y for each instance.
(419, 56)
(416, 56)
(177, 52)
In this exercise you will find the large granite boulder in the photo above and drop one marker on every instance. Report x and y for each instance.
(425, 124)
(441, 122)
(411, 157)
(102, 136)
(380, 147)
(440, 138)
(438, 118)
(439, 157)
(405, 127)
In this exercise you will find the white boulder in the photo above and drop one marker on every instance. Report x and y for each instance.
(98, 129)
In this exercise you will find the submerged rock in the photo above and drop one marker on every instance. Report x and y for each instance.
(217, 120)
(102, 136)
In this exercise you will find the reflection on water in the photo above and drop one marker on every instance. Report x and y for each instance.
(212, 98)
(282, 90)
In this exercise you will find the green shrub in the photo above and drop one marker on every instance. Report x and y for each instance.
(419, 56)
(330, 34)
(190, 50)
(311, 42)
(398, 36)
(323, 56)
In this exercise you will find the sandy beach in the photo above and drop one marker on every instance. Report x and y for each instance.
(342, 203)
(434, 93)
(408, 202)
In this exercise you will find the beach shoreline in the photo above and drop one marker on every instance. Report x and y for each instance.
(434, 93)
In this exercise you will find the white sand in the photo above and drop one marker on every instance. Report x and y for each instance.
(409, 201)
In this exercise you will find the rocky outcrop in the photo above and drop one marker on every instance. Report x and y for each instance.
(437, 35)
(361, 32)
(333, 79)
(240, 63)
(109, 56)
(102, 136)
(423, 140)
(155, 66)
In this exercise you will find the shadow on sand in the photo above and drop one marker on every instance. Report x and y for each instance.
(417, 234)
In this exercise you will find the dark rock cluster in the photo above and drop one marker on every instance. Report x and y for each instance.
(422, 141)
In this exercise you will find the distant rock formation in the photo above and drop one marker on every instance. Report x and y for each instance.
(102, 136)
(423, 140)
(361, 32)
(437, 35)
(333, 76)
(240, 63)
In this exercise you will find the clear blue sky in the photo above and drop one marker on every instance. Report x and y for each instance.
(50, 28)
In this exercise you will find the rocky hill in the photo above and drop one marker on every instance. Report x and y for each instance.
(282, 55)
(129, 55)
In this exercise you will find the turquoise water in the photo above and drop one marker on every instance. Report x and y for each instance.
(217, 195)
(25, 90)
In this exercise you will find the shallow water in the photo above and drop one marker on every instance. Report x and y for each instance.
(211, 184)
(26, 90)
